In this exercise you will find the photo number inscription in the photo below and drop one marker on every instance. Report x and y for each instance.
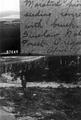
(51, 27)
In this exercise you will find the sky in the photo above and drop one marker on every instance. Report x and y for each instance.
(8, 7)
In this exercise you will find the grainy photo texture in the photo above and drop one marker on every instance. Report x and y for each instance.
(40, 60)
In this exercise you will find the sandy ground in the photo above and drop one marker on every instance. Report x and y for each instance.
(42, 84)
(5, 115)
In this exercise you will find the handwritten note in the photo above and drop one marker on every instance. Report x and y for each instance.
(51, 27)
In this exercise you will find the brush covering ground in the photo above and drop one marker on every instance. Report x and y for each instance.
(58, 100)
(42, 103)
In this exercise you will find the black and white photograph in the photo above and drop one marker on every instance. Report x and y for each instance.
(40, 59)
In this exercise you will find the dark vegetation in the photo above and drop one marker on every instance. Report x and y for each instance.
(45, 69)
(9, 35)
(42, 103)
